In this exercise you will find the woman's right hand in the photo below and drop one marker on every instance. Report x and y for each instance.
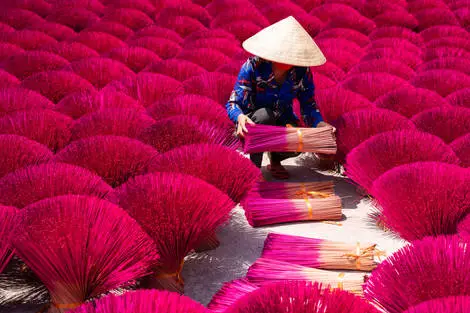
(242, 121)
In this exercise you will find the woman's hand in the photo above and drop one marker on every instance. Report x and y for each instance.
(325, 124)
(241, 128)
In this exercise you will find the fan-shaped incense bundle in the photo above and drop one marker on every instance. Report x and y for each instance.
(28, 63)
(409, 101)
(100, 71)
(115, 122)
(382, 152)
(132, 18)
(104, 249)
(287, 297)
(283, 190)
(113, 28)
(56, 84)
(262, 211)
(17, 152)
(265, 138)
(464, 227)
(18, 99)
(136, 58)
(179, 212)
(114, 158)
(47, 127)
(321, 253)
(8, 222)
(230, 293)
(180, 130)
(143, 301)
(71, 51)
(461, 147)
(34, 183)
(265, 271)
(427, 269)
(423, 199)
(100, 42)
(454, 304)
(204, 161)
(448, 123)
(77, 18)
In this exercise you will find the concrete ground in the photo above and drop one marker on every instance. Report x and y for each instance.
(241, 245)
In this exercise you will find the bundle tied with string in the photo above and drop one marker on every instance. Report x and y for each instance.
(265, 138)
(317, 206)
(321, 253)
(265, 271)
(290, 190)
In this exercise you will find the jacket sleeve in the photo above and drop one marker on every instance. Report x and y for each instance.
(242, 92)
(306, 96)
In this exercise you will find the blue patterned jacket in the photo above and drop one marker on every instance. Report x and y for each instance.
(256, 88)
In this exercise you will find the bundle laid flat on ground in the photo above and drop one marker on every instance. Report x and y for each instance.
(262, 211)
(276, 202)
(266, 271)
(282, 190)
(321, 253)
(262, 138)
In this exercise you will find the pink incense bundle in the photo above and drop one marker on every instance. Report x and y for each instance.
(461, 147)
(423, 198)
(264, 138)
(262, 211)
(100, 71)
(71, 51)
(464, 227)
(454, 304)
(180, 212)
(17, 152)
(47, 127)
(295, 297)
(18, 99)
(283, 190)
(34, 183)
(113, 158)
(234, 177)
(266, 271)
(114, 122)
(230, 293)
(382, 152)
(82, 247)
(8, 222)
(432, 268)
(113, 28)
(143, 301)
(321, 253)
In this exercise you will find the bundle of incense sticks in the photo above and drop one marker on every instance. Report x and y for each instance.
(321, 253)
(265, 271)
(262, 211)
(294, 190)
(265, 138)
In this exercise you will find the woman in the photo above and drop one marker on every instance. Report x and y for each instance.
(268, 83)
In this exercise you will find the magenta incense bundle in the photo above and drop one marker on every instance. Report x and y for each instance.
(321, 253)
(265, 271)
(262, 211)
(295, 190)
(263, 138)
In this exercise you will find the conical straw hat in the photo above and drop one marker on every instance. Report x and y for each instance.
(285, 42)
